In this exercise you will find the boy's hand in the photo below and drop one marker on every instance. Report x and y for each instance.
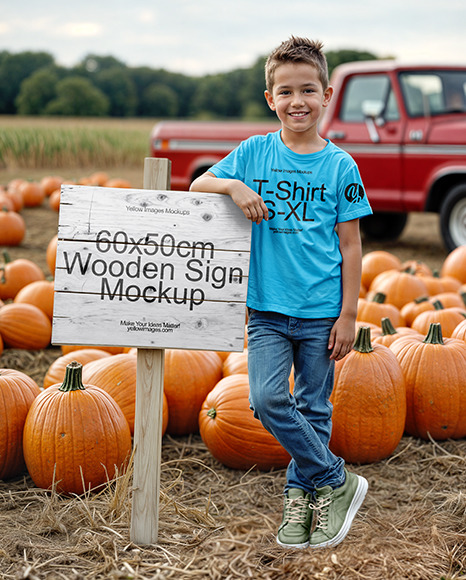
(342, 337)
(251, 203)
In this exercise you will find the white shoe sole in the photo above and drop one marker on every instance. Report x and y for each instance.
(298, 546)
(358, 498)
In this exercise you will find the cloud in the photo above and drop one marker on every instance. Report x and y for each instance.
(81, 29)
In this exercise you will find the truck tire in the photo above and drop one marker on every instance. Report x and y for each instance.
(453, 217)
(383, 226)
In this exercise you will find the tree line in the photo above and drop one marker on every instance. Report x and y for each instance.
(32, 83)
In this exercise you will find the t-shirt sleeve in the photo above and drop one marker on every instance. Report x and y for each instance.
(233, 165)
(352, 197)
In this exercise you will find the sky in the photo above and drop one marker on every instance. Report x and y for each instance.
(210, 36)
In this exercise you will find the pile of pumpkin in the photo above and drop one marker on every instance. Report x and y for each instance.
(405, 374)
(20, 193)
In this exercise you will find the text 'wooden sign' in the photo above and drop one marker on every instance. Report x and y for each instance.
(150, 269)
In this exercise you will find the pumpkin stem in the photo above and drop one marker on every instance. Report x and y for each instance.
(421, 299)
(438, 305)
(387, 327)
(379, 297)
(73, 380)
(212, 413)
(434, 334)
(363, 340)
(463, 296)
(6, 257)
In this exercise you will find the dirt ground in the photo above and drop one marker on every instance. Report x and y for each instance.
(217, 523)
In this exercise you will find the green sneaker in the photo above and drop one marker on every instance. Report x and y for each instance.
(335, 510)
(296, 523)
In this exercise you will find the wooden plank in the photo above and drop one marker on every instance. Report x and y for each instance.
(85, 211)
(209, 325)
(148, 446)
(148, 413)
(119, 276)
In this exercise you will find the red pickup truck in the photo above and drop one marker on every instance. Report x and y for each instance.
(405, 125)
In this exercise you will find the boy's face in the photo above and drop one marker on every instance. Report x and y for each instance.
(298, 97)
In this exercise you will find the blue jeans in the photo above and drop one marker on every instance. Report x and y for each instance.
(301, 421)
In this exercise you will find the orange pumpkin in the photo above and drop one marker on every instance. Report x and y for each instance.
(117, 376)
(39, 293)
(16, 199)
(15, 274)
(32, 193)
(399, 287)
(51, 254)
(189, 376)
(12, 227)
(436, 284)
(374, 309)
(237, 363)
(5, 202)
(231, 432)
(390, 334)
(460, 331)
(376, 262)
(417, 267)
(412, 309)
(24, 326)
(75, 436)
(17, 392)
(118, 182)
(66, 348)
(54, 200)
(99, 178)
(448, 299)
(56, 371)
(51, 183)
(449, 318)
(434, 371)
(369, 402)
(455, 264)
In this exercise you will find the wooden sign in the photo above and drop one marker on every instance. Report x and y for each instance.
(151, 269)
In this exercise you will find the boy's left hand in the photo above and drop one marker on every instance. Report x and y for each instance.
(342, 337)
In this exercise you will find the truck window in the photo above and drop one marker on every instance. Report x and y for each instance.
(434, 93)
(368, 93)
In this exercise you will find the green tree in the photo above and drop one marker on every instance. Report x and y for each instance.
(183, 86)
(36, 92)
(119, 88)
(217, 96)
(158, 101)
(14, 69)
(77, 97)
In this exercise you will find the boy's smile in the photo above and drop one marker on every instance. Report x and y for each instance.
(298, 99)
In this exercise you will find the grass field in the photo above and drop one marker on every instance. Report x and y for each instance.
(56, 143)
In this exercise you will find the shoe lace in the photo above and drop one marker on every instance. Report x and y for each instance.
(295, 509)
(322, 511)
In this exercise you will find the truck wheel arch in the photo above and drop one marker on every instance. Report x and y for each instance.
(453, 217)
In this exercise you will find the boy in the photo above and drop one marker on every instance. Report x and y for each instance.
(303, 286)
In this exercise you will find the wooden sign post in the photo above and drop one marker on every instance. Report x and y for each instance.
(151, 269)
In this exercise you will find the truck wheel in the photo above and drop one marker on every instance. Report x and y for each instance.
(453, 218)
(384, 226)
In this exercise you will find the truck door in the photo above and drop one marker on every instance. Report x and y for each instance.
(367, 124)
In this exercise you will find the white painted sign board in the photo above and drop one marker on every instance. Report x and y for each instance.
(150, 269)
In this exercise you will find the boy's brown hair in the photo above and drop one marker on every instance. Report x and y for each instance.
(296, 50)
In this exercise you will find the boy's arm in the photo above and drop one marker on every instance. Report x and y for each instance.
(251, 203)
(343, 331)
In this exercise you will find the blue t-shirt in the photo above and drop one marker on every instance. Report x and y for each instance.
(295, 265)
